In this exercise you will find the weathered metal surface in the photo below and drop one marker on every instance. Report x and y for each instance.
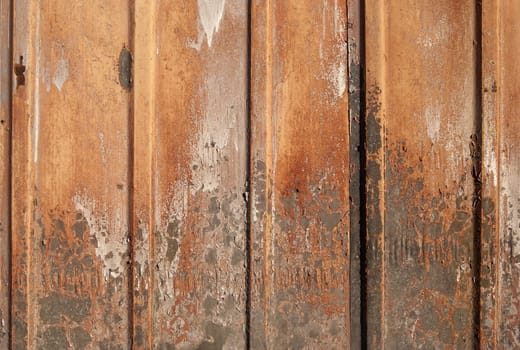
(5, 151)
(144, 48)
(299, 166)
(381, 214)
(490, 174)
(422, 173)
(199, 175)
(508, 255)
(500, 272)
(70, 177)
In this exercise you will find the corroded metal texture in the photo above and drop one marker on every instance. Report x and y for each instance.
(422, 172)
(70, 177)
(199, 175)
(299, 167)
(500, 272)
(229, 174)
(5, 150)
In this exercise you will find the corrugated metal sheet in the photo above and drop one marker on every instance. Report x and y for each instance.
(294, 174)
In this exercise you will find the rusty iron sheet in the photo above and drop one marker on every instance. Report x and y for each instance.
(300, 169)
(198, 175)
(422, 145)
(70, 177)
(500, 272)
(5, 151)
(264, 174)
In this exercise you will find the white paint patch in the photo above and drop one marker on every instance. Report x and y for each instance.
(333, 59)
(432, 118)
(490, 162)
(217, 132)
(141, 254)
(510, 182)
(433, 35)
(339, 74)
(490, 159)
(336, 76)
(214, 133)
(105, 153)
(46, 79)
(110, 232)
(173, 213)
(339, 22)
(61, 73)
(210, 16)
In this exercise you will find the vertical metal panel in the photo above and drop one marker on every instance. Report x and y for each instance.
(20, 165)
(489, 290)
(299, 166)
(422, 168)
(70, 179)
(501, 196)
(199, 174)
(5, 150)
(132, 151)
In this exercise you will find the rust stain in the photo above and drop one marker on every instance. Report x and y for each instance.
(122, 235)
(299, 200)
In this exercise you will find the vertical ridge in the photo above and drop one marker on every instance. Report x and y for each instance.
(10, 174)
(6, 90)
(21, 178)
(131, 189)
(144, 109)
(249, 170)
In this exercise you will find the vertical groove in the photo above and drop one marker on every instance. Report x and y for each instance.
(131, 189)
(357, 159)
(477, 169)
(10, 171)
(363, 232)
(375, 128)
(249, 179)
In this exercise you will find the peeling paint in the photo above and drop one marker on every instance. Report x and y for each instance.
(434, 34)
(339, 78)
(46, 79)
(218, 133)
(169, 223)
(110, 232)
(141, 251)
(61, 73)
(210, 16)
(333, 61)
(103, 149)
(432, 116)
